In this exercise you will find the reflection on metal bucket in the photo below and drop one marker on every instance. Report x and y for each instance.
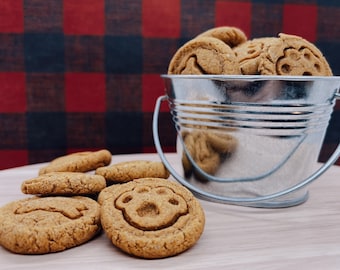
(249, 140)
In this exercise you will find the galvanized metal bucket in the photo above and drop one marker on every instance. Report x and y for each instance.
(249, 140)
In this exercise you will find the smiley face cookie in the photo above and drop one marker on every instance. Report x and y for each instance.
(48, 224)
(152, 217)
(78, 162)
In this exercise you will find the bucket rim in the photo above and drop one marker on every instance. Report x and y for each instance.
(251, 77)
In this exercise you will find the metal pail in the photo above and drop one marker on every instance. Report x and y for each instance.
(249, 140)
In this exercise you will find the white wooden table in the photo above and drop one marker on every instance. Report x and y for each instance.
(235, 237)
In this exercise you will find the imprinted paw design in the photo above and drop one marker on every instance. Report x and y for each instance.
(300, 62)
(151, 208)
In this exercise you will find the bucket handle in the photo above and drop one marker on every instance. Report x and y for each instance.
(239, 200)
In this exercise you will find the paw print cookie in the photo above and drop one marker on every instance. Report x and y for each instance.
(151, 217)
(151, 208)
(293, 55)
(287, 55)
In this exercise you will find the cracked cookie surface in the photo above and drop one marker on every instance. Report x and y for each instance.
(152, 217)
(204, 55)
(129, 170)
(49, 224)
(78, 162)
(64, 183)
(232, 36)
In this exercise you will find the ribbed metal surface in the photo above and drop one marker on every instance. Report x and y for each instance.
(271, 120)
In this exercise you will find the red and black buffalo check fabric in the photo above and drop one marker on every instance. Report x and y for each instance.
(84, 75)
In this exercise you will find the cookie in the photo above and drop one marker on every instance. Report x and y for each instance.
(106, 193)
(206, 149)
(204, 55)
(231, 36)
(41, 225)
(223, 143)
(201, 152)
(64, 183)
(293, 55)
(130, 170)
(152, 218)
(78, 162)
(287, 55)
(250, 53)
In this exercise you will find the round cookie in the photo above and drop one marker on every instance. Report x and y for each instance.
(204, 55)
(231, 36)
(293, 55)
(64, 183)
(130, 170)
(78, 162)
(287, 55)
(40, 225)
(152, 218)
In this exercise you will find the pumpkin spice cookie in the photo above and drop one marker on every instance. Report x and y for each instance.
(64, 183)
(41, 225)
(204, 55)
(78, 162)
(152, 218)
(130, 170)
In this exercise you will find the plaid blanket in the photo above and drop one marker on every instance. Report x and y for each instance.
(84, 75)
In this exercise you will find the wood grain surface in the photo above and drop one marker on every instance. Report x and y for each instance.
(235, 237)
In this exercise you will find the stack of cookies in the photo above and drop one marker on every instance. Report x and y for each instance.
(141, 211)
(226, 50)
